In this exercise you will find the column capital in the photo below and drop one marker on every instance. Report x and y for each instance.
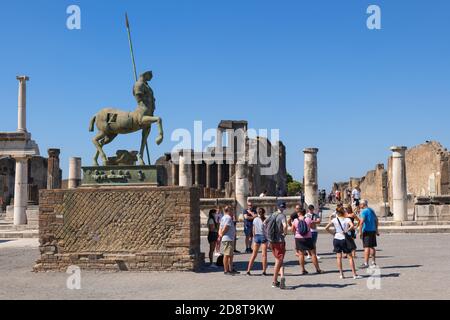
(54, 153)
(21, 158)
(310, 150)
(23, 78)
(400, 150)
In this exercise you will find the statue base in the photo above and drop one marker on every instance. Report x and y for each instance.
(120, 175)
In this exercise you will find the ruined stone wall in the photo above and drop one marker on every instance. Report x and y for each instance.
(374, 188)
(374, 185)
(427, 169)
(38, 171)
(123, 228)
(7, 168)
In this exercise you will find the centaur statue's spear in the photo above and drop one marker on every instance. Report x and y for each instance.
(134, 69)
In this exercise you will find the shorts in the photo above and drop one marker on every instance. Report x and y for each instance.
(248, 230)
(228, 248)
(369, 239)
(279, 250)
(259, 239)
(212, 237)
(314, 238)
(340, 246)
(356, 202)
(304, 244)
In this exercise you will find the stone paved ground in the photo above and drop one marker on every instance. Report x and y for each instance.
(413, 266)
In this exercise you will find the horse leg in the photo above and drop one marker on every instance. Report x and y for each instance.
(97, 153)
(101, 135)
(145, 134)
(148, 121)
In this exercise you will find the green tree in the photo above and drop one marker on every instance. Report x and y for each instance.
(293, 186)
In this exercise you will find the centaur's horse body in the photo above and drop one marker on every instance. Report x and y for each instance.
(112, 122)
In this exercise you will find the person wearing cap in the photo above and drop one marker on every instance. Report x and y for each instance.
(278, 223)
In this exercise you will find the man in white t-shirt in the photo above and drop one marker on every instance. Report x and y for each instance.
(356, 196)
(227, 232)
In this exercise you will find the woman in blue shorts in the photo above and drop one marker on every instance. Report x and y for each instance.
(259, 241)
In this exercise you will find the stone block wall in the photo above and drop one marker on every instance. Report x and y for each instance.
(374, 188)
(135, 229)
(427, 169)
(435, 208)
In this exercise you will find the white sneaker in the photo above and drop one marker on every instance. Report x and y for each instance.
(373, 266)
(341, 277)
(308, 258)
(217, 254)
(357, 277)
(318, 258)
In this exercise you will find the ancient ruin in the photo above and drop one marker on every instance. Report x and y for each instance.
(414, 187)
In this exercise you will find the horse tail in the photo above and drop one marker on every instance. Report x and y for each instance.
(91, 124)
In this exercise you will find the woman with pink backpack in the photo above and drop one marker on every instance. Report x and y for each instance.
(304, 242)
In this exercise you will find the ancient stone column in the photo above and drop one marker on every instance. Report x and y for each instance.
(53, 169)
(231, 170)
(311, 177)
(219, 176)
(74, 173)
(175, 174)
(22, 104)
(185, 171)
(208, 175)
(21, 192)
(242, 187)
(219, 140)
(399, 188)
(197, 174)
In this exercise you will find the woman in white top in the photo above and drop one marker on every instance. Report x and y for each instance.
(342, 226)
(259, 241)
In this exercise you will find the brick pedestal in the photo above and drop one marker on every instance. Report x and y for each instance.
(136, 229)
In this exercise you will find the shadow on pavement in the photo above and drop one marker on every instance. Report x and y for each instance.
(322, 285)
(403, 267)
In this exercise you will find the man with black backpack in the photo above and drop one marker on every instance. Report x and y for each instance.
(276, 232)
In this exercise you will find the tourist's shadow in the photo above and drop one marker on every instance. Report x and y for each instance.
(403, 267)
(322, 285)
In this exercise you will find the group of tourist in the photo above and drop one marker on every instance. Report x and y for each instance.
(269, 233)
(349, 197)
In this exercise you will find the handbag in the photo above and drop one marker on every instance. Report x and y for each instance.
(348, 238)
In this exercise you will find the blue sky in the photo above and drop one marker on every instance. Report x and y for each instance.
(310, 68)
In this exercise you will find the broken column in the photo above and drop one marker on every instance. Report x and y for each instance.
(21, 191)
(399, 187)
(185, 170)
(242, 187)
(311, 185)
(22, 104)
(175, 173)
(54, 178)
(197, 174)
(208, 174)
(74, 173)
